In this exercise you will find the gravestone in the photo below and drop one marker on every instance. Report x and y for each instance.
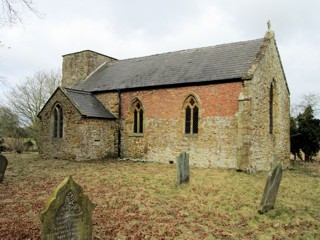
(68, 214)
(3, 166)
(271, 190)
(183, 173)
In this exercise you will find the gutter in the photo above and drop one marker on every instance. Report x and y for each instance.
(165, 86)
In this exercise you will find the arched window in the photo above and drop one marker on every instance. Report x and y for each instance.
(137, 117)
(271, 109)
(191, 116)
(57, 121)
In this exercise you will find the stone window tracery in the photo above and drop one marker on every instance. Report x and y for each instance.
(191, 116)
(57, 121)
(137, 117)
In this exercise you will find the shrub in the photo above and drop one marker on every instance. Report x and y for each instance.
(14, 145)
(28, 145)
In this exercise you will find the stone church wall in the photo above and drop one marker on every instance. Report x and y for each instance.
(164, 138)
(83, 138)
(234, 119)
(261, 144)
(110, 101)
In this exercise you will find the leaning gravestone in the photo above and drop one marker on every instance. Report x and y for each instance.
(3, 166)
(68, 214)
(183, 173)
(271, 190)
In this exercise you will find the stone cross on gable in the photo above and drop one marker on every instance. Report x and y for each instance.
(269, 25)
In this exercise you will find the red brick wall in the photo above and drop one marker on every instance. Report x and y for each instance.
(164, 138)
(215, 100)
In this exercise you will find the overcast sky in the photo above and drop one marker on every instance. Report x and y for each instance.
(133, 28)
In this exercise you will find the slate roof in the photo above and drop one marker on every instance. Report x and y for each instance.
(208, 64)
(88, 105)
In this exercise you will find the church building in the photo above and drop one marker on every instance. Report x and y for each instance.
(226, 105)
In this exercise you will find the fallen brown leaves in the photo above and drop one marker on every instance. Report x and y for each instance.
(141, 201)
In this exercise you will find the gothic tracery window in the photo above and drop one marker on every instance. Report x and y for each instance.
(57, 122)
(137, 117)
(191, 116)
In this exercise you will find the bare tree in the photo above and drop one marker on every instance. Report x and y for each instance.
(12, 10)
(9, 122)
(311, 99)
(28, 98)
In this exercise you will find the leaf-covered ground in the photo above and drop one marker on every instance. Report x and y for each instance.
(137, 200)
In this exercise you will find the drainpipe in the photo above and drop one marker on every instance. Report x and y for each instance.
(119, 123)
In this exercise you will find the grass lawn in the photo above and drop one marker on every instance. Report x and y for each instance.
(137, 200)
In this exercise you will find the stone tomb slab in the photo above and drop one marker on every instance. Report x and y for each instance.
(271, 190)
(3, 166)
(68, 214)
(183, 172)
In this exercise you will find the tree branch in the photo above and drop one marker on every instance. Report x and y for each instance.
(11, 11)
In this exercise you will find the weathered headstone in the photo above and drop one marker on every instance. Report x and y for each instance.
(68, 214)
(3, 166)
(183, 173)
(271, 190)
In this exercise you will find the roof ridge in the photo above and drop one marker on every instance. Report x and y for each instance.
(88, 50)
(186, 50)
(224, 61)
(77, 91)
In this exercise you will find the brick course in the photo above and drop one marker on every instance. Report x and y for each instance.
(164, 138)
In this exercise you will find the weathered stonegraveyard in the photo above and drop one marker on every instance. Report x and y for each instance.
(68, 214)
(271, 190)
(183, 171)
(142, 200)
(3, 166)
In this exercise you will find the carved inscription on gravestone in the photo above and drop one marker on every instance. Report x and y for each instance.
(67, 218)
(271, 190)
(68, 214)
(3, 166)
